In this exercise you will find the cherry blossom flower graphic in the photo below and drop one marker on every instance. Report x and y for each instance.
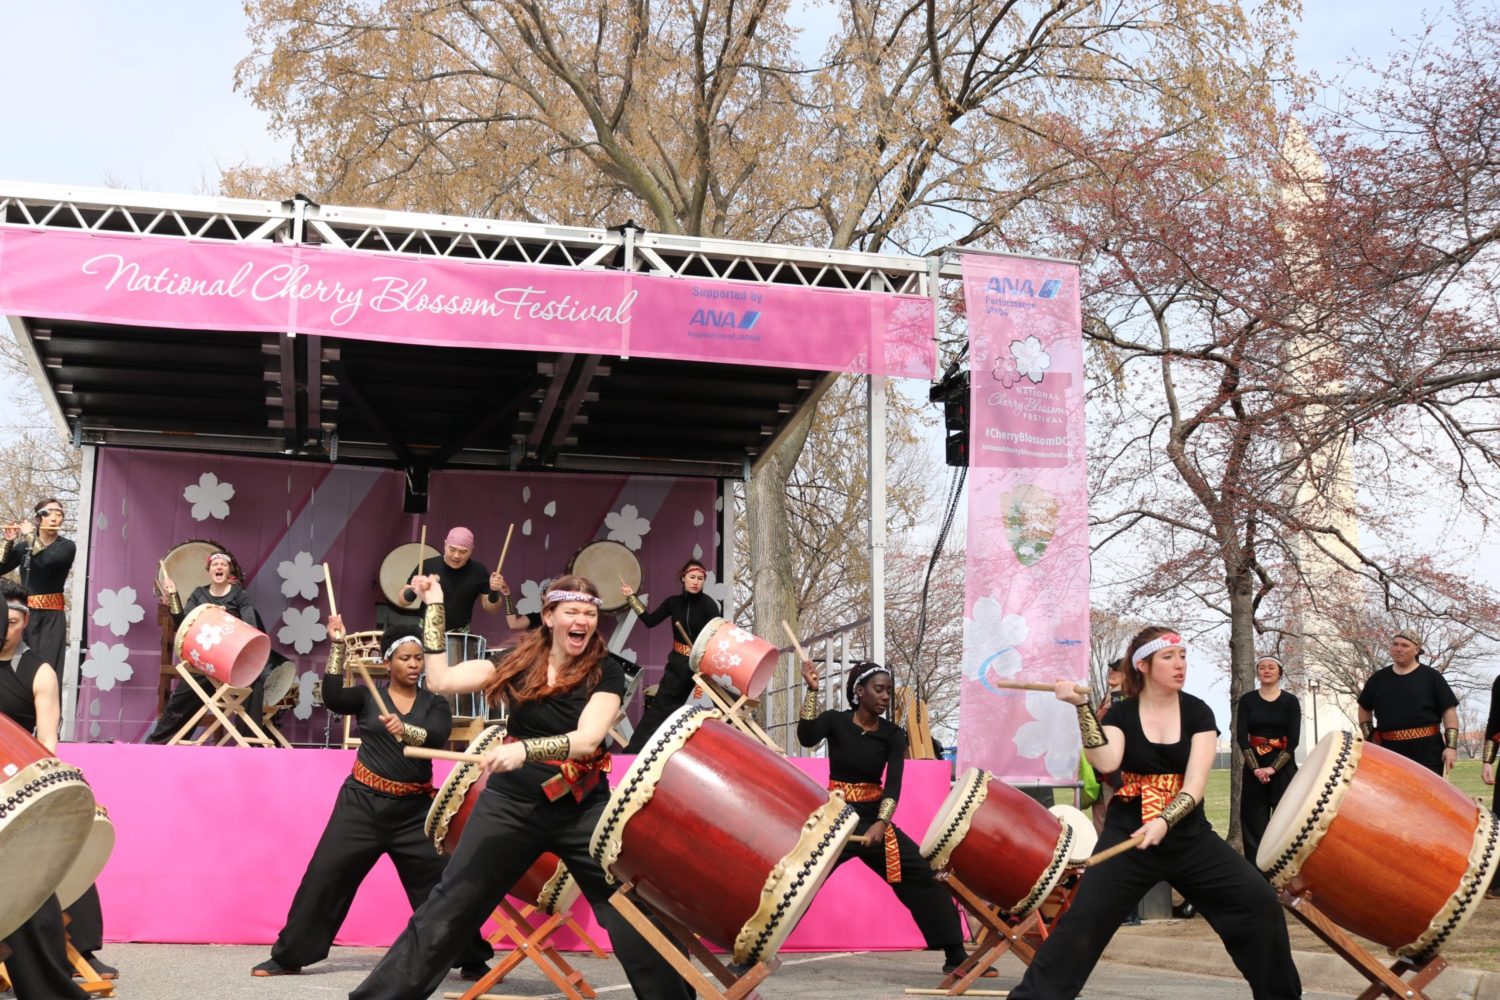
(626, 526)
(108, 665)
(300, 576)
(1032, 360)
(307, 683)
(301, 629)
(531, 598)
(210, 636)
(209, 497)
(1051, 730)
(117, 610)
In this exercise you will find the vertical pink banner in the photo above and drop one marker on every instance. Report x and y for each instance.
(1026, 602)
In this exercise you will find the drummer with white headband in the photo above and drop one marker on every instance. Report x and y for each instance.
(1163, 742)
(1402, 704)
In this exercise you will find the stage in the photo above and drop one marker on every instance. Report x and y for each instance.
(212, 841)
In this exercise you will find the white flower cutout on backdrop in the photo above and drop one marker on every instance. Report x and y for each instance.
(551, 509)
(626, 526)
(300, 576)
(697, 518)
(697, 552)
(531, 598)
(117, 610)
(108, 664)
(1032, 360)
(209, 497)
(305, 685)
(301, 629)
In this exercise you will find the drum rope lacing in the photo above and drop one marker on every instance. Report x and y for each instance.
(804, 873)
(55, 773)
(1330, 787)
(976, 790)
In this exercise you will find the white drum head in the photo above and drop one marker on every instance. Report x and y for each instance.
(397, 567)
(187, 565)
(606, 564)
(1085, 837)
(952, 819)
(1308, 805)
(90, 861)
(279, 683)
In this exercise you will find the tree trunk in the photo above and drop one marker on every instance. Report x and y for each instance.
(773, 575)
(1241, 679)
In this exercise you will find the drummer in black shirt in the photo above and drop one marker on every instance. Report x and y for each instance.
(381, 808)
(690, 612)
(463, 579)
(44, 558)
(1402, 704)
(1268, 726)
(866, 757)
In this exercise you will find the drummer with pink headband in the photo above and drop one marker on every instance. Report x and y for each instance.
(690, 611)
(1163, 742)
(464, 581)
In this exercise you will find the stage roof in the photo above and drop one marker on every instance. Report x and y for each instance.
(385, 402)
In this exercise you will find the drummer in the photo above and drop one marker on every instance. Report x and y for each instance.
(1268, 725)
(1402, 704)
(562, 694)
(224, 588)
(866, 757)
(381, 808)
(464, 581)
(44, 558)
(1163, 740)
(690, 611)
(39, 964)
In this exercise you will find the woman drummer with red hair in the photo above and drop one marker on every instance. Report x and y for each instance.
(1163, 742)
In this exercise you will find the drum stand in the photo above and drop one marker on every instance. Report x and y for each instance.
(737, 709)
(1385, 980)
(533, 941)
(225, 703)
(738, 987)
(90, 981)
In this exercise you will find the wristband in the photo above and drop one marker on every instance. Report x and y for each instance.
(413, 736)
(1089, 728)
(547, 748)
(510, 609)
(887, 810)
(1367, 729)
(1282, 760)
(636, 604)
(1450, 738)
(174, 601)
(1490, 749)
(1179, 808)
(810, 704)
(335, 665)
(435, 629)
(494, 596)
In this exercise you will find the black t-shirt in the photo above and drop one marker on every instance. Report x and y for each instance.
(1405, 701)
(856, 755)
(17, 696)
(1492, 729)
(46, 570)
(461, 588)
(1144, 757)
(552, 716)
(691, 611)
(378, 749)
(236, 602)
(1269, 719)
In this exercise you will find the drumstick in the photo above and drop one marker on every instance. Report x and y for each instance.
(1118, 849)
(683, 632)
(796, 643)
(506, 547)
(426, 753)
(333, 606)
(421, 551)
(375, 691)
(1031, 686)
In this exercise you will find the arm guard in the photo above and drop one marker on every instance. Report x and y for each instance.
(809, 705)
(1282, 760)
(174, 604)
(335, 659)
(413, 736)
(1450, 738)
(5, 544)
(1367, 728)
(545, 748)
(434, 629)
(636, 604)
(510, 609)
(1179, 808)
(1089, 728)
(887, 810)
(1490, 749)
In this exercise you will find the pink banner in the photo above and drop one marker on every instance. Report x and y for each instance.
(212, 841)
(448, 302)
(1027, 571)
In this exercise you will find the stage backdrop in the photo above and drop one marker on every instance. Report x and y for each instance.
(284, 519)
(1026, 585)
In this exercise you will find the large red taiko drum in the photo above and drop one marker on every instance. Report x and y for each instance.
(722, 834)
(1386, 848)
(1003, 844)
(46, 813)
(215, 642)
(733, 657)
(546, 884)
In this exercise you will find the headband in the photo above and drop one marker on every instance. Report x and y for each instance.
(1274, 659)
(20, 606)
(558, 596)
(390, 650)
(1156, 645)
(219, 555)
(49, 509)
(869, 671)
(461, 537)
(1403, 634)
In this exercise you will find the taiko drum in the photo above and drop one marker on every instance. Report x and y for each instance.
(546, 884)
(1004, 845)
(733, 657)
(215, 642)
(716, 831)
(91, 860)
(46, 812)
(1385, 847)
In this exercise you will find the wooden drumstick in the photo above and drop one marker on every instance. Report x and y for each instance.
(1118, 849)
(333, 606)
(796, 643)
(165, 577)
(505, 548)
(683, 632)
(1036, 686)
(375, 691)
(426, 753)
(421, 551)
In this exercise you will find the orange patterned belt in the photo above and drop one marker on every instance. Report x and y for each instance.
(1264, 746)
(868, 791)
(576, 776)
(400, 789)
(682, 649)
(45, 602)
(1154, 791)
(1414, 733)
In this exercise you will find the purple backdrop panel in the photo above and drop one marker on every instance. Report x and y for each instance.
(284, 519)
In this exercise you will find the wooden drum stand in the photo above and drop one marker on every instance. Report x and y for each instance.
(1385, 980)
(738, 985)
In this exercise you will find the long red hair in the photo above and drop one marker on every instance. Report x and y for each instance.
(522, 676)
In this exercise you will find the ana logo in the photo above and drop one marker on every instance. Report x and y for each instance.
(1024, 287)
(723, 319)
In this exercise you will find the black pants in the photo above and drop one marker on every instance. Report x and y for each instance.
(1235, 899)
(38, 965)
(183, 703)
(505, 834)
(86, 922)
(364, 825)
(47, 634)
(671, 694)
(1257, 802)
(930, 904)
